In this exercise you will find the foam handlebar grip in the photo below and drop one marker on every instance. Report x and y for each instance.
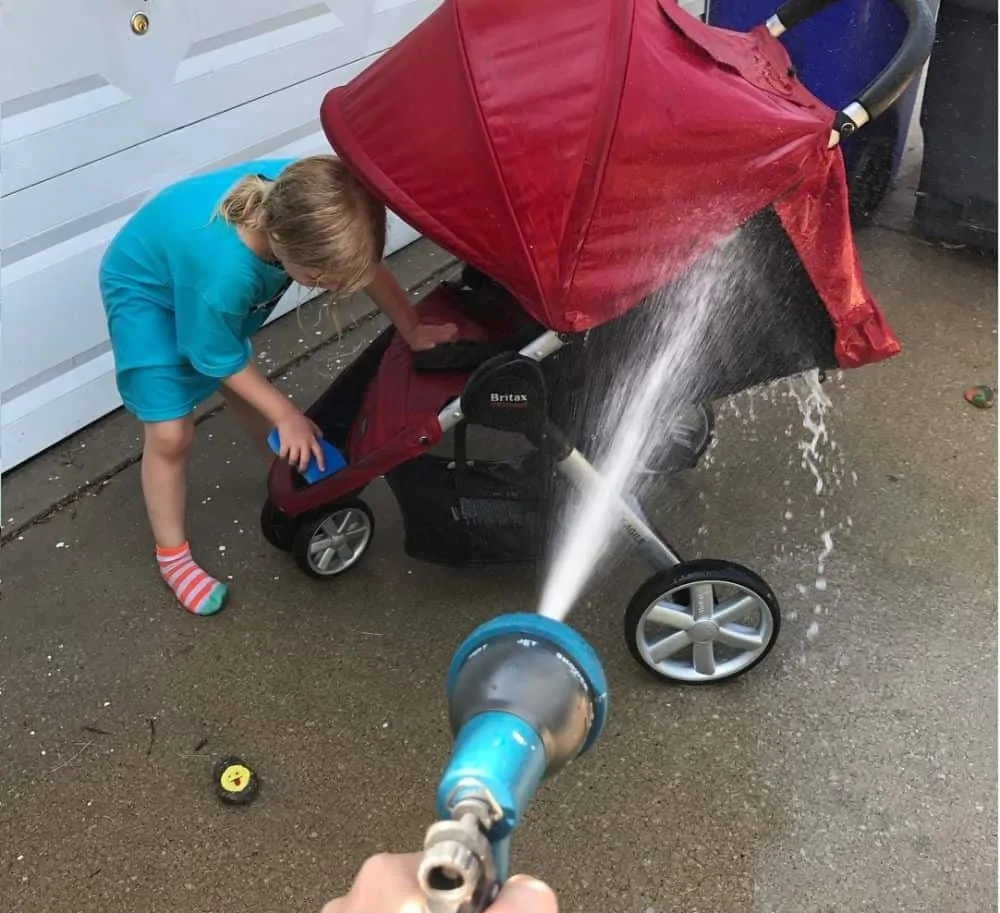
(332, 457)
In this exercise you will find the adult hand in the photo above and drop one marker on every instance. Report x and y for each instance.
(299, 441)
(387, 883)
(427, 335)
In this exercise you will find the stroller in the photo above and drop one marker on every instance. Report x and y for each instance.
(581, 159)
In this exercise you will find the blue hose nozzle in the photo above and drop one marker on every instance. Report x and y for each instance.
(527, 695)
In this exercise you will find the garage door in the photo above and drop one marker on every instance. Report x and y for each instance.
(100, 109)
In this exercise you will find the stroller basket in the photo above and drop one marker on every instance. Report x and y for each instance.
(471, 513)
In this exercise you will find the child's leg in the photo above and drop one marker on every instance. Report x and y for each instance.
(164, 478)
(164, 486)
(255, 424)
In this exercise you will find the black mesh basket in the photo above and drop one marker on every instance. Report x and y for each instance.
(469, 513)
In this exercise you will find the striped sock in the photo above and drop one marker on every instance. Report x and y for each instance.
(198, 592)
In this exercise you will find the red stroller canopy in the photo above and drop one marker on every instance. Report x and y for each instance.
(585, 153)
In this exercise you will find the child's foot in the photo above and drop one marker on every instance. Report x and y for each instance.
(198, 592)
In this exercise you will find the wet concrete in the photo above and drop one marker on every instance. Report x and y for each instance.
(855, 770)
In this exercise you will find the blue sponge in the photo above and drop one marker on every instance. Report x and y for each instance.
(333, 458)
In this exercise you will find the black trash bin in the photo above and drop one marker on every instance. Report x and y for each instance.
(957, 195)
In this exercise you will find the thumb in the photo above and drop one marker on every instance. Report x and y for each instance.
(522, 894)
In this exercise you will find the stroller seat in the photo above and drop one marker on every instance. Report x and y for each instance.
(384, 409)
(402, 401)
(492, 322)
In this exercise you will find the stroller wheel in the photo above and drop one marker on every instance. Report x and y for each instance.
(333, 542)
(278, 530)
(689, 438)
(870, 177)
(702, 621)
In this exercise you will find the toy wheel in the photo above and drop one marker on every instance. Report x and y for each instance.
(235, 781)
(690, 436)
(702, 621)
(278, 529)
(334, 542)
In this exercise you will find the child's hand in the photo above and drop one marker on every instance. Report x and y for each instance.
(427, 335)
(299, 439)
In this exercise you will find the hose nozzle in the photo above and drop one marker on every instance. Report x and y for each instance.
(527, 695)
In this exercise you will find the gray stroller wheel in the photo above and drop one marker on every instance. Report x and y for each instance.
(334, 541)
(702, 621)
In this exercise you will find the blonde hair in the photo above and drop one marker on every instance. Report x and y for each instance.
(321, 216)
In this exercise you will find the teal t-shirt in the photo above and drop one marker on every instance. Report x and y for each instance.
(180, 287)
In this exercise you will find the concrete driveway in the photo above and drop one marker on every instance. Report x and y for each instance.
(855, 770)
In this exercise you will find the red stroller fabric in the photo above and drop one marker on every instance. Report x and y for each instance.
(585, 153)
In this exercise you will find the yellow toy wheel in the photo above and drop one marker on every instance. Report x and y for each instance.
(235, 781)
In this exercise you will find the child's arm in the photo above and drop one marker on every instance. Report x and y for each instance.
(385, 291)
(298, 436)
(210, 327)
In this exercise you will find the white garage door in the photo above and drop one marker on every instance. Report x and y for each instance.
(95, 118)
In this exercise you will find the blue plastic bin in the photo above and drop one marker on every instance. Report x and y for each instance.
(836, 54)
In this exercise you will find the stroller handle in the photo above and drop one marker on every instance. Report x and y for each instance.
(885, 88)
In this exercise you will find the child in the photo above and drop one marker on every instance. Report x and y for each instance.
(185, 284)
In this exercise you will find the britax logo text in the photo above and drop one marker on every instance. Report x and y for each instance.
(505, 399)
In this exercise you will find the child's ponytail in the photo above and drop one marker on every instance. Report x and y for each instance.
(244, 204)
(317, 216)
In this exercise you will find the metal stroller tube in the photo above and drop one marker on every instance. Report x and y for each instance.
(882, 92)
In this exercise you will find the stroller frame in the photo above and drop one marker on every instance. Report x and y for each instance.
(707, 606)
(328, 534)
